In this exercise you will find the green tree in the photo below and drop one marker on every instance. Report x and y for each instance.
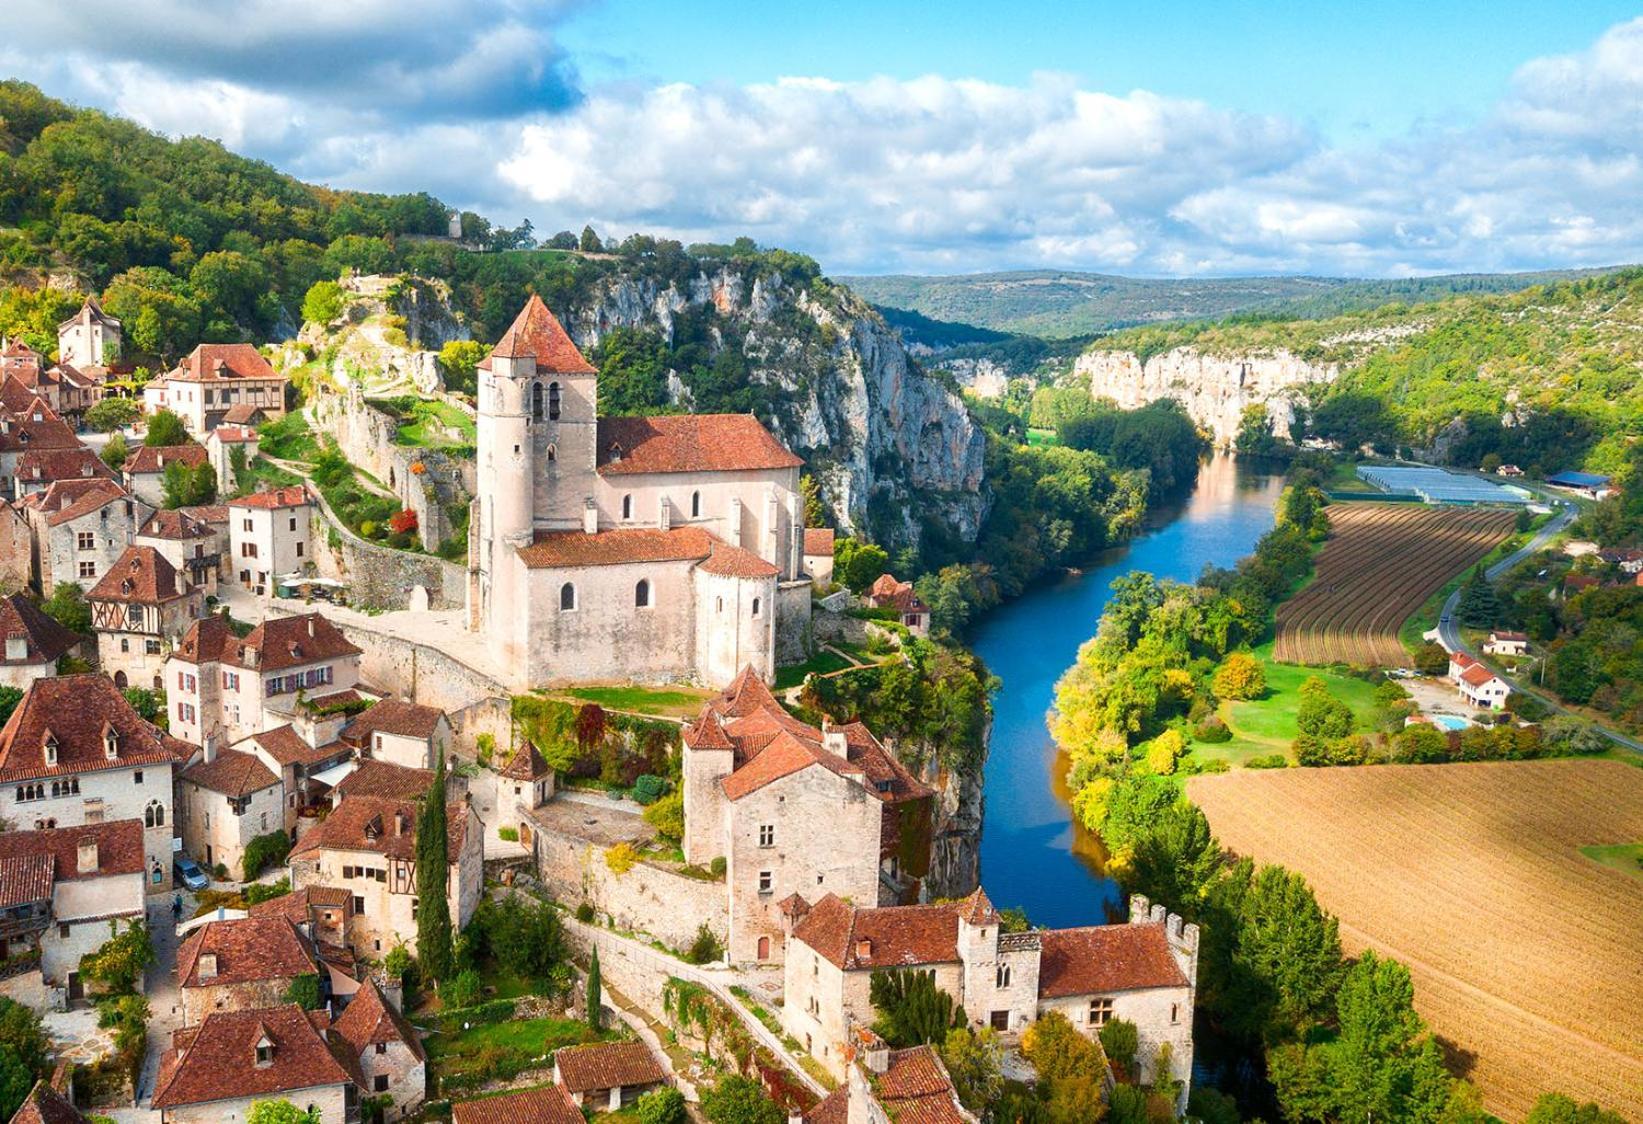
(115, 449)
(280, 1112)
(67, 606)
(22, 1033)
(595, 997)
(433, 918)
(1432, 658)
(165, 429)
(740, 1100)
(1120, 1039)
(9, 698)
(111, 414)
(912, 1010)
(815, 512)
(323, 302)
(148, 704)
(589, 242)
(974, 1060)
(462, 991)
(460, 361)
(121, 961)
(16, 1079)
(1555, 1108)
(1479, 607)
(633, 367)
(304, 992)
(667, 816)
(1320, 714)
(189, 486)
(661, 1106)
(858, 564)
(1255, 437)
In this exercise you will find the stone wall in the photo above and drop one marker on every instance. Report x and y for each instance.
(668, 906)
(793, 635)
(380, 577)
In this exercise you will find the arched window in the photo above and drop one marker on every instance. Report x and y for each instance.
(536, 400)
(553, 401)
(553, 453)
(641, 594)
(718, 604)
(627, 507)
(154, 814)
(567, 597)
(755, 606)
(695, 505)
(1003, 975)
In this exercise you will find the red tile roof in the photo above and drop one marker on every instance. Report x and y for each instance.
(537, 333)
(818, 541)
(119, 848)
(890, 937)
(287, 747)
(385, 780)
(734, 562)
(549, 1104)
(247, 949)
(276, 644)
(45, 465)
(606, 1065)
(242, 413)
(916, 1089)
(46, 639)
(152, 459)
(234, 434)
(26, 878)
(45, 1105)
(75, 712)
(218, 1061)
(293, 496)
(689, 443)
(207, 512)
(299, 905)
(527, 764)
(369, 823)
(888, 593)
(67, 500)
(831, 1109)
(205, 640)
(616, 548)
(393, 716)
(1477, 675)
(369, 1019)
(232, 772)
(210, 362)
(140, 576)
(1102, 959)
(174, 525)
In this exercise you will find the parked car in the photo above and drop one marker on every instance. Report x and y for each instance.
(190, 874)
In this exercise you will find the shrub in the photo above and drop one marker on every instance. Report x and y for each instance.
(1270, 761)
(717, 866)
(259, 892)
(1239, 677)
(584, 913)
(661, 1106)
(304, 992)
(403, 522)
(463, 991)
(740, 1100)
(667, 816)
(1120, 1039)
(1211, 731)
(705, 948)
(1164, 751)
(621, 858)
(265, 851)
(648, 788)
(511, 834)
(1431, 658)
(485, 745)
(220, 872)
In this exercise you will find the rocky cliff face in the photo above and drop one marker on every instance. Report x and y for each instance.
(891, 446)
(387, 338)
(1213, 388)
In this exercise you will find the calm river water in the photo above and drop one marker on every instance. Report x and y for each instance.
(1032, 854)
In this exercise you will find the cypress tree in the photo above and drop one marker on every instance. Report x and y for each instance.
(433, 918)
(595, 992)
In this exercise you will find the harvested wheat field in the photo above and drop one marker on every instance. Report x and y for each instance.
(1527, 957)
(1381, 563)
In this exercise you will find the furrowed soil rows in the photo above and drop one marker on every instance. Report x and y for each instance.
(1524, 953)
(1381, 563)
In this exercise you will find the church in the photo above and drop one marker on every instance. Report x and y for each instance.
(652, 549)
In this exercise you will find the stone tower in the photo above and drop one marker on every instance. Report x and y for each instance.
(90, 339)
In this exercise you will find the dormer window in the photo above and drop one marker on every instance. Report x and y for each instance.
(265, 1052)
(615, 452)
(51, 748)
(111, 742)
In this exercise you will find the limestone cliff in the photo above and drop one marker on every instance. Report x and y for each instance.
(386, 338)
(1215, 389)
(893, 448)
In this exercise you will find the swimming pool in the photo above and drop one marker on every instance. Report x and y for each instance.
(1450, 721)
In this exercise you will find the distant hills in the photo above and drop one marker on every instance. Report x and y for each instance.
(1056, 304)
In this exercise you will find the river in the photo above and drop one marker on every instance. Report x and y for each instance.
(1032, 853)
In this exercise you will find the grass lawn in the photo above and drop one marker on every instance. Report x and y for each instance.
(821, 663)
(520, 1041)
(1266, 725)
(430, 424)
(666, 702)
(288, 439)
(1624, 857)
(1042, 437)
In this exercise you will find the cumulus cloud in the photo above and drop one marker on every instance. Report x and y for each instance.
(473, 101)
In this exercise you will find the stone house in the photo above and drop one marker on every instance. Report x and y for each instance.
(223, 686)
(888, 593)
(384, 781)
(225, 799)
(885, 1086)
(642, 548)
(212, 380)
(818, 555)
(16, 549)
(75, 753)
(241, 964)
(62, 386)
(367, 846)
(220, 444)
(39, 469)
(214, 1072)
(400, 733)
(34, 642)
(62, 891)
(28, 425)
(1143, 972)
(144, 469)
(607, 1076)
(46, 1105)
(190, 544)
(79, 529)
(304, 763)
(323, 915)
(268, 537)
(796, 811)
(90, 339)
(526, 783)
(392, 1062)
(140, 609)
(546, 1104)
(1503, 643)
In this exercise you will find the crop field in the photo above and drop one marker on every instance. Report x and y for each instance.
(1381, 563)
(1524, 951)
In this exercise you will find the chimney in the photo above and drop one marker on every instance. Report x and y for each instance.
(206, 966)
(864, 948)
(400, 823)
(86, 857)
(590, 517)
(310, 626)
(17, 646)
(208, 747)
(878, 1056)
(835, 742)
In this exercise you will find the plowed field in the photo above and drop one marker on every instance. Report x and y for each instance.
(1527, 956)
(1381, 563)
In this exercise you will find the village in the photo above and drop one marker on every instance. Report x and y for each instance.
(221, 777)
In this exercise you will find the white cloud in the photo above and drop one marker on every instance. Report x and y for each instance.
(474, 102)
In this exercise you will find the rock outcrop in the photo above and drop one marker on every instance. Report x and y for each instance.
(1215, 389)
(387, 338)
(892, 447)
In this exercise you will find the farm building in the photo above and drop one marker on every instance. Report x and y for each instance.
(1435, 485)
(1586, 483)
(1476, 683)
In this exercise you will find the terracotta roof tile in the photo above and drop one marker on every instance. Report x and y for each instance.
(393, 716)
(293, 496)
(916, 1089)
(537, 333)
(831, 1109)
(74, 712)
(140, 576)
(369, 823)
(174, 524)
(242, 414)
(605, 1065)
(369, 1019)
(219, 1061)
(247, 949)
(207, 513)
(385, 780)
(615, 548)
(549, 1104)
(205, 640)
(45, 638)
(45, 465)
(734, 562)
(152, 459)
(66, 500)
(689, 443)
(287, 747)
(1106, 958)
(233, 434)
(527, 764)
(119, 848)
(212, 362)
(299, 905)
(232, 772)
(818, 542)
(26, 878)
(1477, 675)
(45, 1105)
(285, 642)
(888, 937)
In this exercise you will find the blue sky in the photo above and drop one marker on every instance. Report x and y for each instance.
(1204, 139)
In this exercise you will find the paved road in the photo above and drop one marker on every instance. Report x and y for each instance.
(1449, 630)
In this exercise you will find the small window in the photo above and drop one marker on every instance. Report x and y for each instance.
(1003, 975)
(1100, 1012)
(1000, 1020)
(382, 1047)
(567, 597)
(767, 881)
(695, 505)
(641, 594)
(553, 453)
(767, 835)
(359, 906)
(380, 1081)
(627, 507)
(1174, 1013)
(536, 400)
(756, 606)
(553, 401)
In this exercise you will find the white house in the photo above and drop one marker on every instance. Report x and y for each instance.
(189, 543)
(220, 444)
(400, 733)
(90, 339)
(1507, 644)
(269, 536)
(225, 799)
